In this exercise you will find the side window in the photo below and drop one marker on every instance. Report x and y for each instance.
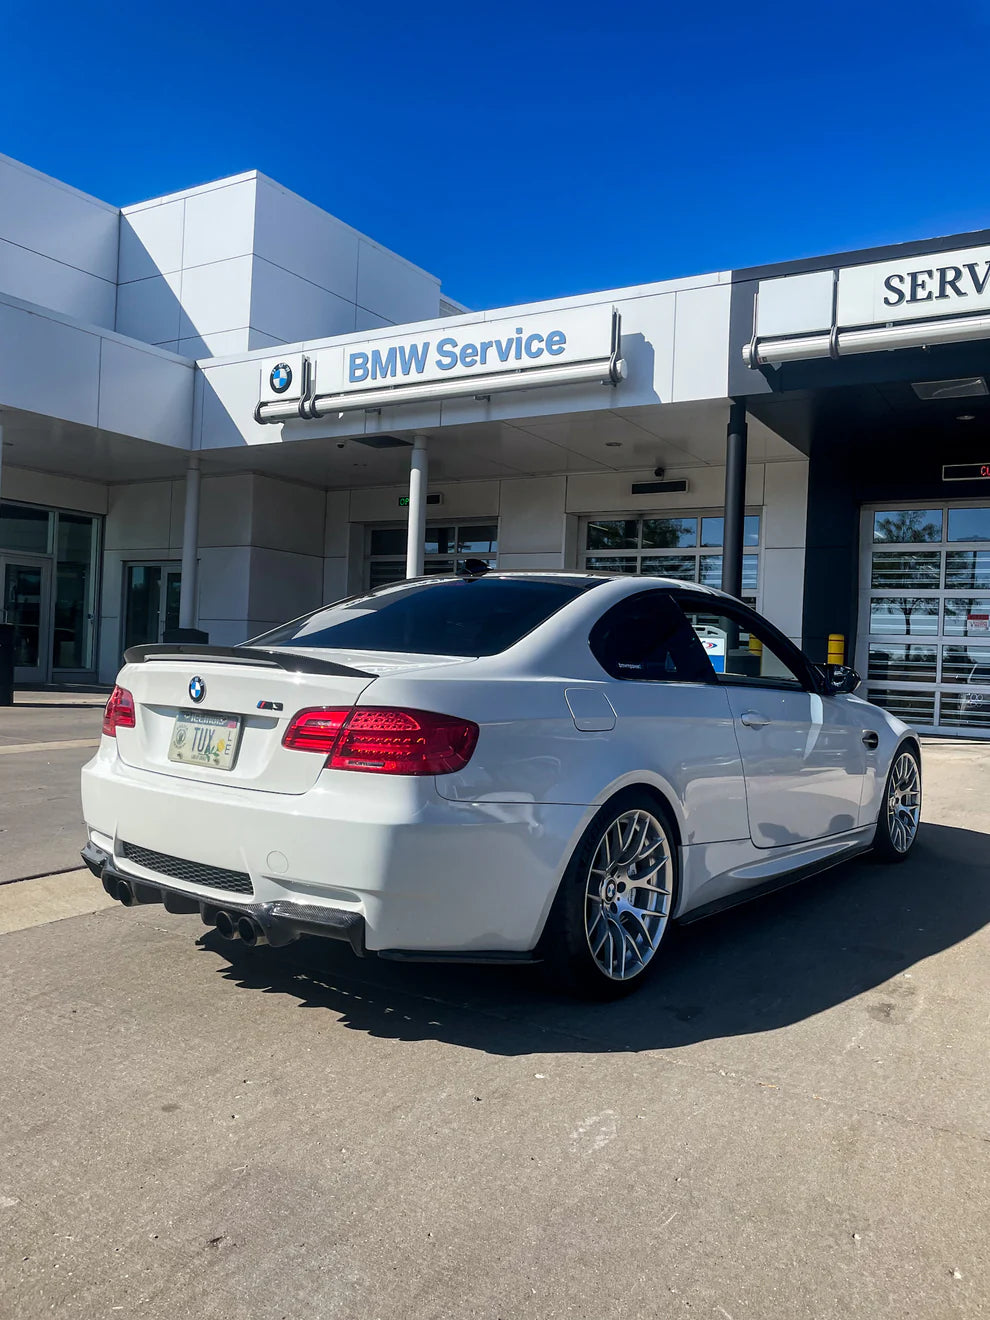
(646, 637)
(740, 650)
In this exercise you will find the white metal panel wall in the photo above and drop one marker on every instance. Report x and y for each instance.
(58, 247)
(186, 267)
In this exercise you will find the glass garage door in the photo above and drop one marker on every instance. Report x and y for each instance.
(926, 615)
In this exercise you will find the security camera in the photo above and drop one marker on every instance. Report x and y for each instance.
(659, 472)
(341, 444)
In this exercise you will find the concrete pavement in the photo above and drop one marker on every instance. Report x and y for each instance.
(44, 740)
(791, 1122)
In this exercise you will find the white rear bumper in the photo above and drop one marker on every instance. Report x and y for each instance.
(425, 873)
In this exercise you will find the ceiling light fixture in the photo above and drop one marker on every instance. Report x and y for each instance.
(966, 417)
(613, 444)
(964, 387)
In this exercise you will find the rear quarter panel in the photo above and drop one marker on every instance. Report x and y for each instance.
(677, 738)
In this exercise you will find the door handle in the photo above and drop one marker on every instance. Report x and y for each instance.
(753, 719)
(871, 739)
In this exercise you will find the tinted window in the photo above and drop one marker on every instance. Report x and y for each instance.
(480, 616)
(648, 638)
(740, 650)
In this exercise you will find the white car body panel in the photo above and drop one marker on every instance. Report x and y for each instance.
(471, 861)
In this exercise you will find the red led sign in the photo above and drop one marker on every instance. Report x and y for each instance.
(966, 472)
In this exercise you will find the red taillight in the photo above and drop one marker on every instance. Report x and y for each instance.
(384, 741)
(315, 730)
(119, 713)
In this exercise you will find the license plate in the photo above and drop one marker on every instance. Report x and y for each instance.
(202, 739)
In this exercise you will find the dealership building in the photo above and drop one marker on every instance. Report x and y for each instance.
(223, 407)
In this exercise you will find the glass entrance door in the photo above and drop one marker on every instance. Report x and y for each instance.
(925, 618)
(26, 603)
(151, 602)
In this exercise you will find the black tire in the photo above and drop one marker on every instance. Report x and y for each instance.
(895, 838)
(569, 960)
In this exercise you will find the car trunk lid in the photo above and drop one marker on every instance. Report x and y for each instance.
(247, 694)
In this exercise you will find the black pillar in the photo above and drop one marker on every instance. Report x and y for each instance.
(735, 499)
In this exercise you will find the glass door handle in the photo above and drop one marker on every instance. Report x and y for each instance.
(754, 720)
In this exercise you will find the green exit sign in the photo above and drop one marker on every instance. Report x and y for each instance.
(435, 498)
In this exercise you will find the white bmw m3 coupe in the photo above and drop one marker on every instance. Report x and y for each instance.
(492, 767)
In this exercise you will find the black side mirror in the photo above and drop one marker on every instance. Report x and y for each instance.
(840, 679)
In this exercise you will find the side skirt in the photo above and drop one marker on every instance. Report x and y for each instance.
(773, 885)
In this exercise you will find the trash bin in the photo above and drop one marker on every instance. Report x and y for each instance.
(196, 636)
(6, 664)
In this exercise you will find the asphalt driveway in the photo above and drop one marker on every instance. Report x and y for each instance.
(791, 1121)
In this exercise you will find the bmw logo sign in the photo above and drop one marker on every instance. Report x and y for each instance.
(280, 378)
(197, 688)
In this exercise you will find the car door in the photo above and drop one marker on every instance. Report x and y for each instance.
(803, 755)
(672, 717)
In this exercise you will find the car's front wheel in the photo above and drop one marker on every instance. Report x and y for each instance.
(614, 902)
(900, 811)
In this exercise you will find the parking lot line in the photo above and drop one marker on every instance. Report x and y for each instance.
(14, 748)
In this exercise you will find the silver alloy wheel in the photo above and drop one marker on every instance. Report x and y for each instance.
(628, 894)
(903, 802)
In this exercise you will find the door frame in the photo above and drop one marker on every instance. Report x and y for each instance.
(40, 673)
(167, 566)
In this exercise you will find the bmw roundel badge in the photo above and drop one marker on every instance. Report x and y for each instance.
(197, 688)
(280, 378)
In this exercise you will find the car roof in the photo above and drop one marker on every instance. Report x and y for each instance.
(574, 578)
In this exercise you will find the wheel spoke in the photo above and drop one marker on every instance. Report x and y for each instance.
(634, 841)
(646, 934)
(650, 872)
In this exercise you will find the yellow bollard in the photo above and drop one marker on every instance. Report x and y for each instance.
(836, 649)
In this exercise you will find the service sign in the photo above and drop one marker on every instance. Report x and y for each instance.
(450, 352)
(915, 288)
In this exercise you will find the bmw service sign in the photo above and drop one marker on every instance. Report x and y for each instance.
(476, 348)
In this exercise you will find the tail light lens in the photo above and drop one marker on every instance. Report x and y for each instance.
(315, 730)
(384, 741)
(119, 712)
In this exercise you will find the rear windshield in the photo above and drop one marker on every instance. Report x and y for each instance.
(477, 616)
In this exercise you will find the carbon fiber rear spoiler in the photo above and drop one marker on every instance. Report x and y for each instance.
(290, 661)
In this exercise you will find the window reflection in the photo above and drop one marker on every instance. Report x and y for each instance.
(899, 526)
(969, 524)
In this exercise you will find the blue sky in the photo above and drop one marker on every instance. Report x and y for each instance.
(524, 151)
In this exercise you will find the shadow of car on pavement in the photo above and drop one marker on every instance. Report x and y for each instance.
(768, 964)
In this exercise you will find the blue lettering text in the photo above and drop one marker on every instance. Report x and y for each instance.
(446, 354)
(413, 358)
(534, 346)
(382, 367)
(556, 342)
(469, 355)
(357, 366)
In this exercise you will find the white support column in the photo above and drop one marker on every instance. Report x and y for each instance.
(416, 536)
(190, 546)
